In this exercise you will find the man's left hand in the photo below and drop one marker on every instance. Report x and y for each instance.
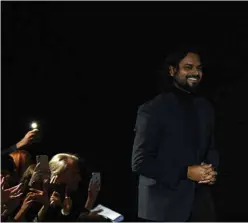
(210, 178)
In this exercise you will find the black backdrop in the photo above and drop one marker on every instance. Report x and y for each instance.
(82, 68)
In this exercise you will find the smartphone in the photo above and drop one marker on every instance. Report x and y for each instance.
(43, 161)
(96, 177)
(41, 172)
(38, 135)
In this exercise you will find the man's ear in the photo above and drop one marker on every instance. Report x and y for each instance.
(172, 70)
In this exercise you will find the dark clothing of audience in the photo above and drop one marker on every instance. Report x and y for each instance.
(9, 150)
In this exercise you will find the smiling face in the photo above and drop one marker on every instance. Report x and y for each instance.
(188, 74)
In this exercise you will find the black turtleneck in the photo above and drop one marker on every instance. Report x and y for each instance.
(187, 103)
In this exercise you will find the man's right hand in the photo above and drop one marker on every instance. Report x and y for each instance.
(199, 172)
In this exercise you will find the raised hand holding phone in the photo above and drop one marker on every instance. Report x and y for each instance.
(94, 185)
(93, 190)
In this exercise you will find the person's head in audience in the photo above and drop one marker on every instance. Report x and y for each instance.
(22, 161)
(28, 173)
(66, 167)
(8, 168)
(26, 177)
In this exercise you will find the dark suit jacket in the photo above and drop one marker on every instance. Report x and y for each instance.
(162, 153)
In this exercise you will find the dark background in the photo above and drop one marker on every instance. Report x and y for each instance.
(82, 68)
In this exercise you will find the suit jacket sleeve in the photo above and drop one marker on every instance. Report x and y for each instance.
(212, 155)
(145, 149)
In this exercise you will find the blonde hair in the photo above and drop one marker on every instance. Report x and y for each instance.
(59, 162)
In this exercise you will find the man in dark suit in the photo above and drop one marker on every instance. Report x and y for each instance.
(173, 151)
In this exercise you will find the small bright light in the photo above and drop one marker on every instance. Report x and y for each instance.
(34, 125)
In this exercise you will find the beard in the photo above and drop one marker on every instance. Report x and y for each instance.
(194, 87)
